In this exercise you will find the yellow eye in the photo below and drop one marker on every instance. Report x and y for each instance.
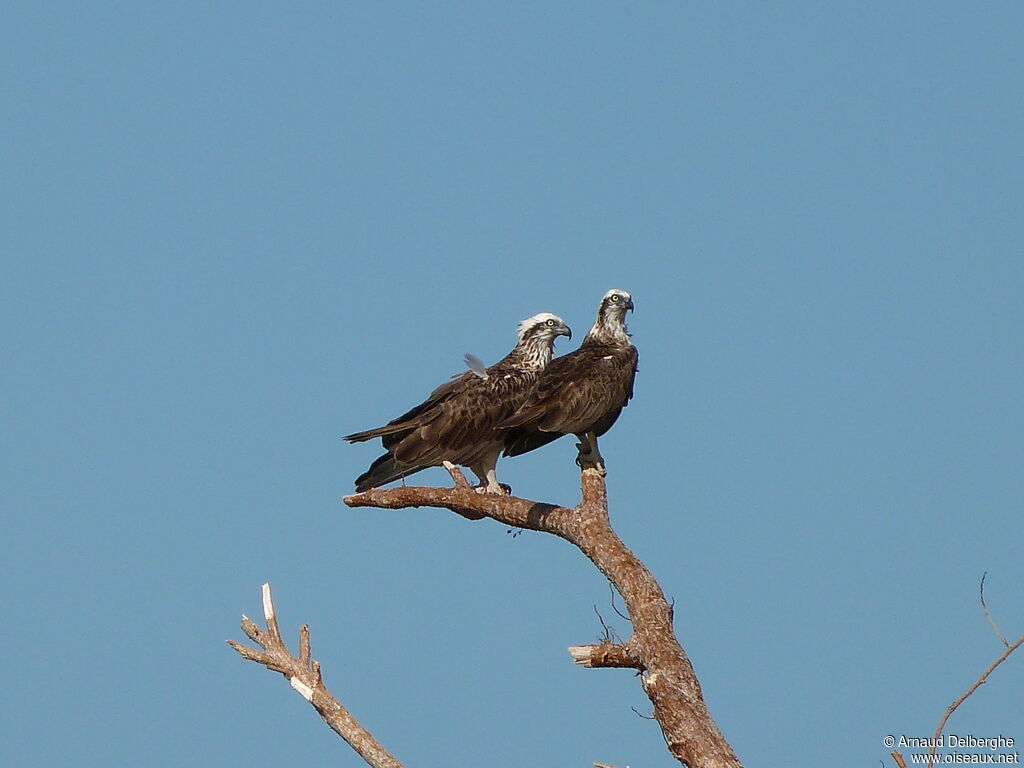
(615, 297)
(551, 322)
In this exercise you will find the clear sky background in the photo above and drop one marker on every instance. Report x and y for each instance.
(231, 235)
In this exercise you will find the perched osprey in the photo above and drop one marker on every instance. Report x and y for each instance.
(458, 422)
(581, 393)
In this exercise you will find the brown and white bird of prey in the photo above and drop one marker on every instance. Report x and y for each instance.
(458, 422)
(583, 392)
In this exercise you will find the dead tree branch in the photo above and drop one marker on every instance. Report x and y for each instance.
(607, 654)
(667, 676)
(1010, 648)
(963, 697)
(303, 674)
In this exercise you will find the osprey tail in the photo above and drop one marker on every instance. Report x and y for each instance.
(388, 429)
(383, 471)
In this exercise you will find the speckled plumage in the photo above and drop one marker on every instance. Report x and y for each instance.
(583, 392)
(458, 422)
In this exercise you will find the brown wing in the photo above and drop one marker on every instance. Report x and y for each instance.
(411, 418)
(620, 389)
(580, 392)
(463, 427)
(458, 423)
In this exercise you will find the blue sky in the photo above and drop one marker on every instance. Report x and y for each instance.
(233, 234)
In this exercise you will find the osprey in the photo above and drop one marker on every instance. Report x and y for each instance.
(581, 393)
(458, 422)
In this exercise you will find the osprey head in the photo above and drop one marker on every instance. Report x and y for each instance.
(617, 299)
(545, 326)
(537, 340)
(611, 315)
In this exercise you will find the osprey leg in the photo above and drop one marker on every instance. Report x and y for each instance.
(487, 474)
(493, 486)
(589, 455)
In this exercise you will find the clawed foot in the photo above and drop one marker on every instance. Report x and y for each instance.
(583, 455)
(590, 461)
(500, 490)
(588, 456)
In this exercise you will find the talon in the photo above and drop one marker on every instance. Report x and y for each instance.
(499, 490)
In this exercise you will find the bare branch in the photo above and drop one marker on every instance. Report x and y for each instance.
(268, 614)
(252, 631)
(962, 698)
(304, 650)
(607, 654)
(899, 759)
(984, 606)
(668, 677)
(304, 676)
(465, 501)
(457, 476)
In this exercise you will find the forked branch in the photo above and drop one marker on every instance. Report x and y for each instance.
(303, 673)
(666, 673)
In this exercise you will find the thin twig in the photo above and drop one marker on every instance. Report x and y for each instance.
(609, 634)
(611, 589)
(988, 615)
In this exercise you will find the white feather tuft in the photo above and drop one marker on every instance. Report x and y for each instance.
(476, 365)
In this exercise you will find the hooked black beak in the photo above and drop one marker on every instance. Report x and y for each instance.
(629, 303)
(567, 332)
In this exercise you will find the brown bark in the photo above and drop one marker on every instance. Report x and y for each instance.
(666, 674)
